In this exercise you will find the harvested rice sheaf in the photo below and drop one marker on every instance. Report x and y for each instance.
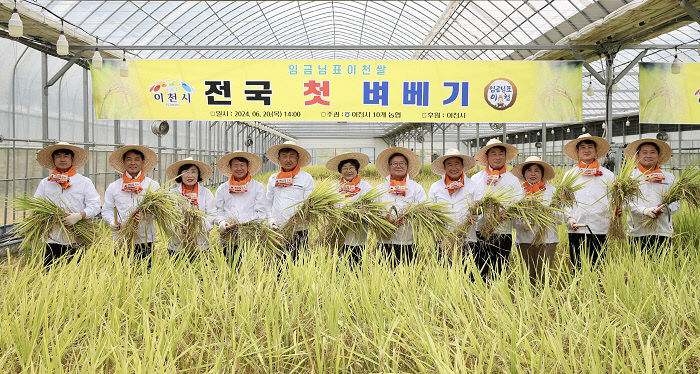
(161, 206)
(193, 227)
(320, 208)
(621, 191)
(366, 214)
(253, 234)
(537, 216)
(564, 196)
(429, 224)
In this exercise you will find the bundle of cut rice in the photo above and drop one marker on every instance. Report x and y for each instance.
(161, 206)
(538, 217)
(621, 191)
(253, 234)
(320, 209)
(367, 214)
(685, 188)
(565, 194)
(429, 224)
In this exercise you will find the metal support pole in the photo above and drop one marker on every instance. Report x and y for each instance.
(680, 147)
(117, 133)
(443, 139)
(174, 140)
(432, 132)
(160, 159)
(188, 135)
(478, 145)
(86, 119)
(44, 100)
(609, 60)
(504, 133)
(544, 142)
(140, 132)
(459, 138)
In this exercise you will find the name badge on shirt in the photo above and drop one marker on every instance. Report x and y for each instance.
(131, 186)
(655, 177)
(284, 182)
(492, 179)
(59, 178)
(592, 172)
(398, 190)
(238, 189)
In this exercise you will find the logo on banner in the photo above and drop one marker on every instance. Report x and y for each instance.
(697, 93)
(500, 93)
(172, 92)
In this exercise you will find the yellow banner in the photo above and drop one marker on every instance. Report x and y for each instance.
(340, 90)
(665, 97)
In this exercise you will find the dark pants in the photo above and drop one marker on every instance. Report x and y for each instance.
(651, 244)
(299, 241)
(143, 250)
(399, 253)
(491, 255)
(446, 258)
(354, 253)
(233, 256)
(591, 243)
(54, 251)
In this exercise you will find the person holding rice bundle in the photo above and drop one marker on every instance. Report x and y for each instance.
(288, 188)
(124, 195)
(75, 193)
(491, 253)
(650, 223)
(351, 186)
(455, 190)
(240, 199)
(189, 174)
(589, 219)
(399, 166)
(535, 175)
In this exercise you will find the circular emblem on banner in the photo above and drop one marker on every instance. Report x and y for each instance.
(500, 93)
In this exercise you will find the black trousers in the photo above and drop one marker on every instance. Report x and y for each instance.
(592, 244)
(652, 244)
(232, 255)
(399, 253)
(354, 253)
(54, 251)
(462, 256)
(299, 240)
(491, 255)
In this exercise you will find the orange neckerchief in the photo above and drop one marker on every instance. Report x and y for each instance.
(493, 176)
(191, 194)
(398, 187)
(349, 188)
(62, 178)
(592, 169)
(133, 185)
(534, 188)
(452, 186)
(286, 178)
(241, 186)
(654, 175)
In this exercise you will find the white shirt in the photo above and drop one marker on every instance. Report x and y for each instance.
(243, 207)
(458, 203)
(207, 204)
(81, 196)
(357, 238)
(592, 206)
(414, 195)
(280, 200)
(651, 196)
(509, 183)
(126, 202)
(524, 234)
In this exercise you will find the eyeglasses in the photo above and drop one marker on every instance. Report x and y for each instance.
(398, 164)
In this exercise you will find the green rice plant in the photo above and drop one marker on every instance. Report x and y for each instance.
(622, 191)
(253, 234)
(564, 196)
(192, 227)
(429, 225)
(686, 189)
(160, 205)
(538, 217)
(366, 213)
(321, 207)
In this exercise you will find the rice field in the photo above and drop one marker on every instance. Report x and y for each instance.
(105, 313)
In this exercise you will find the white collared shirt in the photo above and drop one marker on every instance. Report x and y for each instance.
(507, 182)
(414, 195)
(281, 201)
(356, 238)
(242, 207)
(651, 196)
(126, 202)
(458, 203)
(524, 234)
(592, 206)
(207, 204)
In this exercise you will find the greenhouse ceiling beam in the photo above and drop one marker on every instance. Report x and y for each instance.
(588, 67)
(62, 71)
(692, 12)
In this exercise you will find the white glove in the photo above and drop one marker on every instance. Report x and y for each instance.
(273, 225)
(224, 226)
(650, 212)
(571, 224)
(115, 226)
(72, 218)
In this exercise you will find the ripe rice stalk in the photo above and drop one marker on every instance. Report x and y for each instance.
(192, 227)
(685, 188)
(565, 194)
(429, 224)
(320, 208)
(621, 191)
(160, 205)
(366, 213)
(253, 234)
(492, 209)
(538, 217)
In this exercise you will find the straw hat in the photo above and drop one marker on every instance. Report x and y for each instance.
(115, 159)
(205, 171)
(333, 163)
(438, 166)
(548, 169)
(254, 162)
(511, 151)
(45, 159)
(273, 153)
(601, 145)
(664, 149)
(382, 161)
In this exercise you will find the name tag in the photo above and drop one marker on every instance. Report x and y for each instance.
(398, 190)
(492, 179)
(59, 178)
(284, 182)
(655, 177)
(238, 189)
(131, 186)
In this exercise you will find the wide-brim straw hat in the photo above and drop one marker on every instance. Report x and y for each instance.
(664, 149)
(361, 158)
(273, 153)
(149, 164)
(254, 162)
(438, 166)
(382, 161)
(205, 171)
(519, 168)
(601, 146)
(511, 151)
(45, 159)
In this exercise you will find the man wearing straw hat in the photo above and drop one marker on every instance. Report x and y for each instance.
(287, 188)
(67, 188)
(352, 187)
(125, 194)
(589, 219)
(650, 223)
(535, 175)
(399, 166)
(455, 190)
(189, 174)
(240, 199)
(491, 254)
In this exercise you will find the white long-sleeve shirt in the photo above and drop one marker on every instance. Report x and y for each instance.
(207, 204)
(524, 234)
(81, 196)
(652, 194)
(126, 203)
(281, 201)
(592, 206)
(509, 183)
(357, 238)
(243, 207)
(414, 195)
(457, 203)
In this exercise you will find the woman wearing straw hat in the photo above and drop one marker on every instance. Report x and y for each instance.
(287, 188)
(589, 219)
(126, 193)
(75, 193)
(535, 175)
(650, 223)
(399, 166)
(189, 174)
(352, 187)
(454, 189)
(240, 199)
(491, 255)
